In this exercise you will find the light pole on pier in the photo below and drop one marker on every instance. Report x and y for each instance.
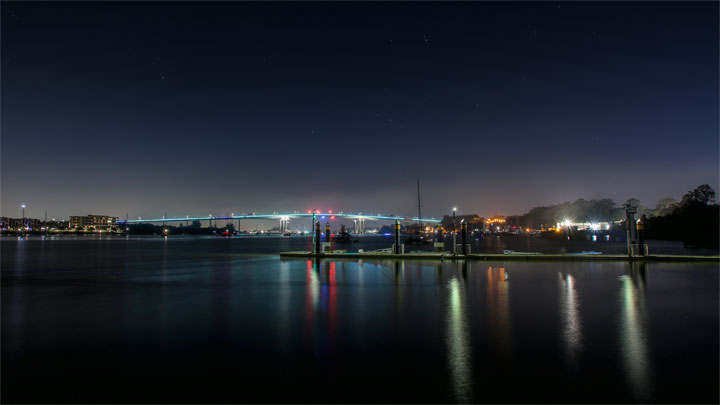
(312, 226)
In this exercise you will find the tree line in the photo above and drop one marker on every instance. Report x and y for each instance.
(694, 219)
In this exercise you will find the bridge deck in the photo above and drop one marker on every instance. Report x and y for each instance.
(286, 216)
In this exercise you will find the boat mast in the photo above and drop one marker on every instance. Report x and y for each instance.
(419, 212)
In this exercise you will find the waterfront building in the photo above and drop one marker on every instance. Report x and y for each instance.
(7, 223)
(586, 226)
(93, 222)
(496, 223)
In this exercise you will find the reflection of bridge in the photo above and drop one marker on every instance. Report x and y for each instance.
(284, 218)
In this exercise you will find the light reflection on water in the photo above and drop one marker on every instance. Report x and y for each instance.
(633, 332)
(572, 333)
(284, 304)
(320, 314)
(498, 305)
(436, 331)
(458, 342)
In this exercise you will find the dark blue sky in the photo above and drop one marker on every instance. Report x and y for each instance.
(186, 108)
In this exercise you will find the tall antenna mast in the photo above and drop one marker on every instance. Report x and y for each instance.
(419, 212)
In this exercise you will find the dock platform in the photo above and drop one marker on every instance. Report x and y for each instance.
(501, 257)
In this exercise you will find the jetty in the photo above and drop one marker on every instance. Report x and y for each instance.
(574, 257)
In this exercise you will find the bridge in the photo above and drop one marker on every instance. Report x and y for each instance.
(284, 218)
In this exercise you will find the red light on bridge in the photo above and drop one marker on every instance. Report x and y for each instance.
(309, 212)
(330, 211)
(332, 217)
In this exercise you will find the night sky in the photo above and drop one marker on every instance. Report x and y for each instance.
(197, 109)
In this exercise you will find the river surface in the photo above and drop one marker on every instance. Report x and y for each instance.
(203, 319)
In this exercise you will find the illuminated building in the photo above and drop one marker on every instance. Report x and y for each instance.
(496, 220)
(17, 223)
(496, 223)
(93, 222)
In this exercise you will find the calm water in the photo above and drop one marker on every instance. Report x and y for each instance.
(225, 320)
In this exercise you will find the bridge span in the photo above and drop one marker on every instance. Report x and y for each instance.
(285, 218)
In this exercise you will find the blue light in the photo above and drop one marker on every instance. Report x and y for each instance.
(322, 217)
(386, 234)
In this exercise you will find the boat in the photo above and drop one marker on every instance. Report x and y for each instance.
(344, 237)
(417, 237)
(512, 252)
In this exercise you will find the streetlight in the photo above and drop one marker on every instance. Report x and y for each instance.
(23, 217)
(454, 210)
